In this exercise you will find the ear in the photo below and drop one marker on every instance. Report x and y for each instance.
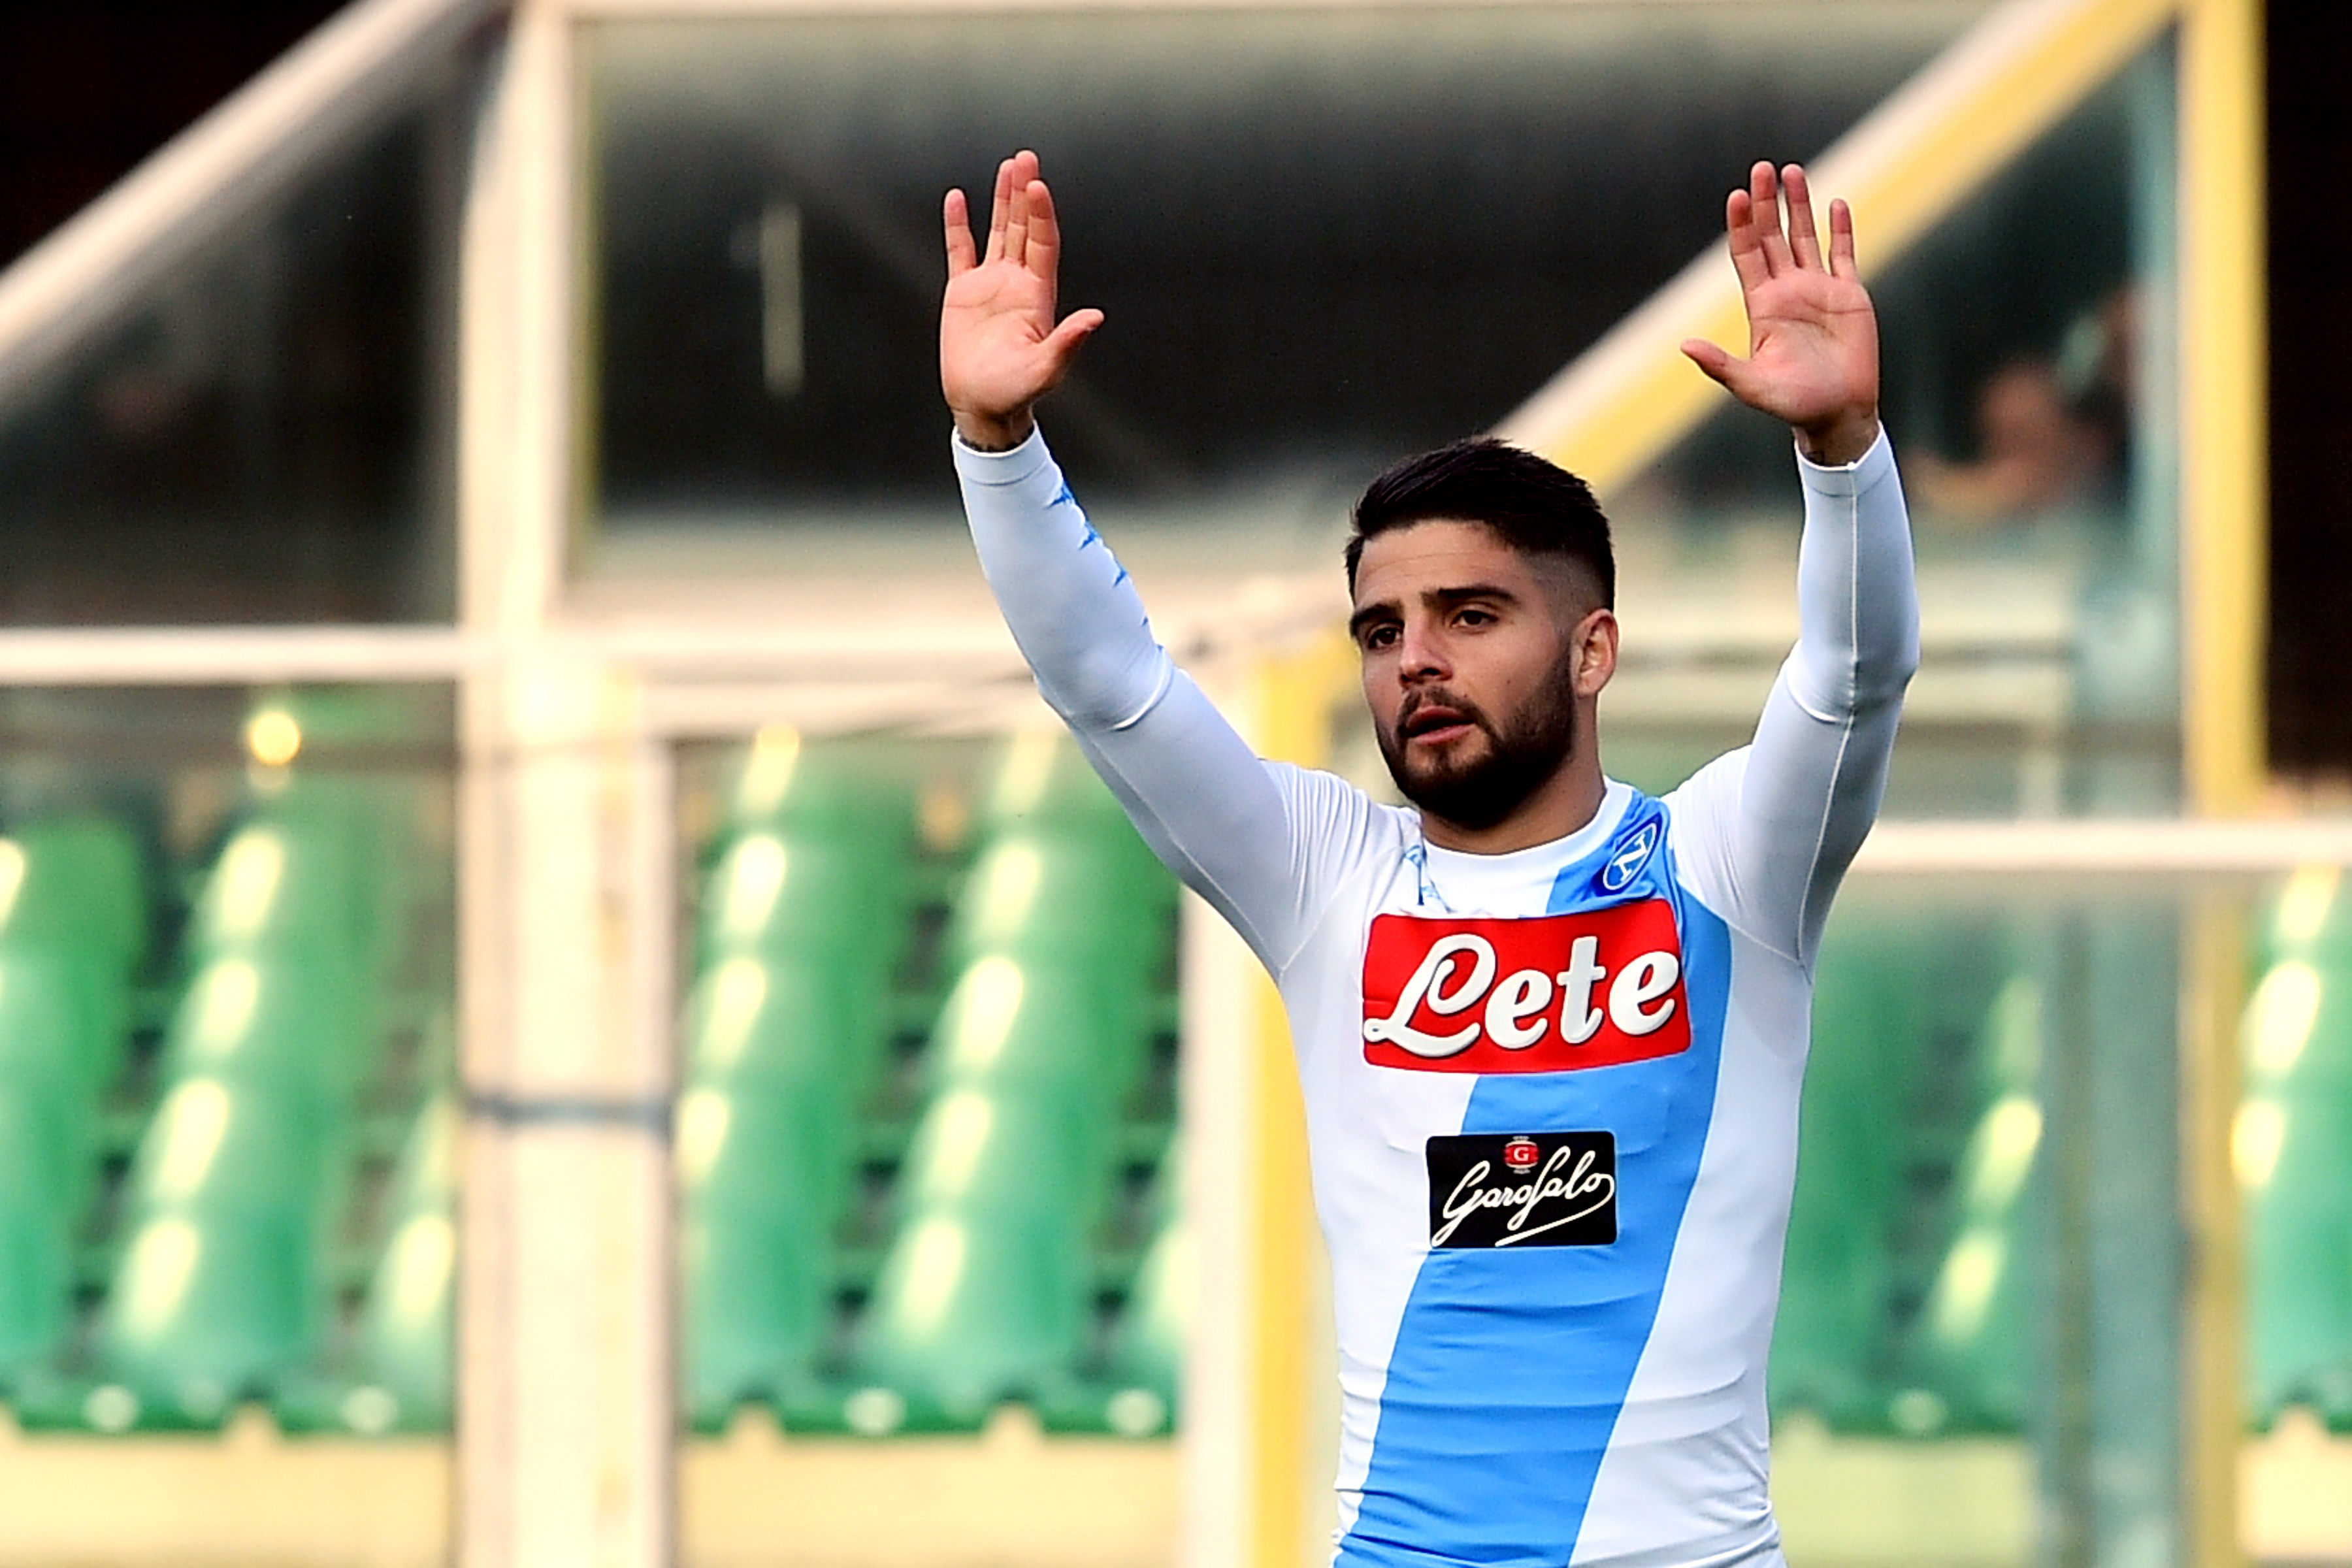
(1594, 642)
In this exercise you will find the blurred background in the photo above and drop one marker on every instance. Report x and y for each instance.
(562, 1001)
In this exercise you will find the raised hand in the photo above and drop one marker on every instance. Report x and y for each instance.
(1000, 348)
(1812, 336)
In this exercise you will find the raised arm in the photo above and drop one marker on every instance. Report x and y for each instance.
(1787, 814)
(1219, 818)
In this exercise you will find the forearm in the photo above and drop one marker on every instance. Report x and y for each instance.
(1070, 604)
(1814, 777)
(1857, 602)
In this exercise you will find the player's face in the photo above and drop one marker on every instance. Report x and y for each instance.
(1472, 659)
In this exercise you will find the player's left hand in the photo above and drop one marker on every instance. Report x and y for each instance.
(1812, 335)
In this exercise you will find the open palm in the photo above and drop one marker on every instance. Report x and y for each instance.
(1813, 334)
(1000, 347)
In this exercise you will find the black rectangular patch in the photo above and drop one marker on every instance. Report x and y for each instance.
(1523, 1189)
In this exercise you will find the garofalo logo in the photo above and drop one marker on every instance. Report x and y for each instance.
(1547, 995)
(1523, 1189)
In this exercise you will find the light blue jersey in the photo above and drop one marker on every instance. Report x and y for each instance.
(1552, 1094)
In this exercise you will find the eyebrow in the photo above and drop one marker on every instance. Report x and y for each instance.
(1436, 598)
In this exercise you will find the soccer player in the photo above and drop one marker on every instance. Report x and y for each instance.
(1550, 1029)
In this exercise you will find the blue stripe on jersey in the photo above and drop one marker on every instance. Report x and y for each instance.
(1510, 1367)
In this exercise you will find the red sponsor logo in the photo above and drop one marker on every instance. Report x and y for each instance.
(1521, 1153)
(1530, 996)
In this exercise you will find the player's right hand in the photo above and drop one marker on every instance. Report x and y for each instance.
(1000, 348)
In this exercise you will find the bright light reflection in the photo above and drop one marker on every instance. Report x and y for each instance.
(2303, 907)
(2257, 1134)
(2279, 1017)
(935, 1258)
(739, 989)
(768, 771)
(755, 877)
(992, 999)
(191, 1124)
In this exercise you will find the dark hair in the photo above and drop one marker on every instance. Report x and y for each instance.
(1536, 506)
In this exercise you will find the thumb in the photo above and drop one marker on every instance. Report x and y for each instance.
(1719, 364)
(1062, 344)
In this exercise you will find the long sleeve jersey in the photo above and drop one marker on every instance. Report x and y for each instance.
(1552, 1094)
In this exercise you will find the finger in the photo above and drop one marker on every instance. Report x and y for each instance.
(1044, 236)
(1017, 227)
(1841, 240)
(1720, 364)
(1804, 240)
(961, 256)
(1001, 211)
(1764, 190)
(1062, 342)
(1747, 247)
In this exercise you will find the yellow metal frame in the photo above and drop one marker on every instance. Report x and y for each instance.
(2225, 423)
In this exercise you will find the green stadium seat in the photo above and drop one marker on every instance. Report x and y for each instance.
(79, 881)
(760, 1147)
(829, 789)
(1101, 902)
(206, 1308)
(1871, 1009)
(407, 1350)
(60, 1020)
(758, 1300)
(1044, 1029)
(2292, 1146)
(788, 1022)
(971, 1308)
(1147, 1360)
(38, 1207)
(231, 1145)
(801, 896)
(309, 881)
(291, 1019)
(1972, 1354)
(1008, 1151)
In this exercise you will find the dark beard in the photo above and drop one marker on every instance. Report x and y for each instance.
(1519, 758)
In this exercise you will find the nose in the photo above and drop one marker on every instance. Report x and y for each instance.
(1420, 654)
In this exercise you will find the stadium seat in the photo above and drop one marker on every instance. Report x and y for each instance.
(77, 880)
(809, 897)
(1144, 1388)
(221, 1284)
(1033, 1157)
(1870, 1014)
(304, 1019)
(1047, 1028)
(973, 1308)
(37, 1210)
(1972, 1353)
(1097, 901)
(758, 1300)
(2293, 1147)
(788, 1022)
(407, 1347)
(306, 881)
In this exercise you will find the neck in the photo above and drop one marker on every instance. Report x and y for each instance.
(1559, 806)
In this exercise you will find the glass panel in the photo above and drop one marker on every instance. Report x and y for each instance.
(266, 434)
(1981, 1316)
(1323, 237)
(925, 1126)
(226, 1002)
(2028, 387)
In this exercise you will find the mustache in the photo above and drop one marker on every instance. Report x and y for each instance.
(1421, 698)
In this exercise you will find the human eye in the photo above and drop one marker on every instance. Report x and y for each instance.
(1379, 634)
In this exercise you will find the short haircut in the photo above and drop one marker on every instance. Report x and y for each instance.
(1536, 508)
